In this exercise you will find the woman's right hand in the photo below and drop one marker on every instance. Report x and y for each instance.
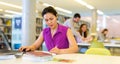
(26, 48)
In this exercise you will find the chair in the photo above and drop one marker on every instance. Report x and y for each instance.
(97, 44)
(98, 51)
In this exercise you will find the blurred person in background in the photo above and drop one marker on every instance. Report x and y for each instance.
(73, 24)
(103, 35)
(84, 33)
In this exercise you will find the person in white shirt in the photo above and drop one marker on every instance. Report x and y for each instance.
(73, 24)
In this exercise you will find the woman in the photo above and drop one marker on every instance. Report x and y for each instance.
(58, 39)
(103, 35)
(84, 33)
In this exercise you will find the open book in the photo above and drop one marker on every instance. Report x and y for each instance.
(39, 56)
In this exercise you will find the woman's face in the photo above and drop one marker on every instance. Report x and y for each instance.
(105, 32)
(51, 20)
(84, 28)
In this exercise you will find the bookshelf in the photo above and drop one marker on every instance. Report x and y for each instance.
(39, 26)
(5, 26)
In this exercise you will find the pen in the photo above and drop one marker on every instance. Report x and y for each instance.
(24, 51)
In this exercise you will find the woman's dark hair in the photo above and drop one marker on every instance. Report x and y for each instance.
(80, 30)
(77, 15)
(104, 30)
(49, 9)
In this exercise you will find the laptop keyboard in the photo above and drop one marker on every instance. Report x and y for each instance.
(8, 52)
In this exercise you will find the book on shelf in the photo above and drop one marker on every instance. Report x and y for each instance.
(38, 30)
(38, 21)
(5, 24)
(38, 25)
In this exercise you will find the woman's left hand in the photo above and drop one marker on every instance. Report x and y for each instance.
(55, 50)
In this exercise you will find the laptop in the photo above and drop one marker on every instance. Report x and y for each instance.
(5, 46)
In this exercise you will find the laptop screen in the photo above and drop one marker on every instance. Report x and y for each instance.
(4, 44)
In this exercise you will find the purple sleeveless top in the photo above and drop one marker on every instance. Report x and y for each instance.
(59, 39)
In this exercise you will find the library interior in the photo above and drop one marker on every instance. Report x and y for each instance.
(59, 32)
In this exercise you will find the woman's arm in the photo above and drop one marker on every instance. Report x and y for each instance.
(39, 41)
(35, 45)
(73, 47)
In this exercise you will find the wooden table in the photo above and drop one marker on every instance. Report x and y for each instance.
(111, 46)
(105, 44)
(77, 59)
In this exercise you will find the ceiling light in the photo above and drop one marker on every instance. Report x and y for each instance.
(81, 2)
(11, 5)
(45, 4)
(85, 4)
(13, 12)
(58, 8)
(100, 12)
(89, 6)
(63, 10)
(8, 15)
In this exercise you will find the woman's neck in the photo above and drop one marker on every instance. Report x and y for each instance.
(53, 31)
(55, 28)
